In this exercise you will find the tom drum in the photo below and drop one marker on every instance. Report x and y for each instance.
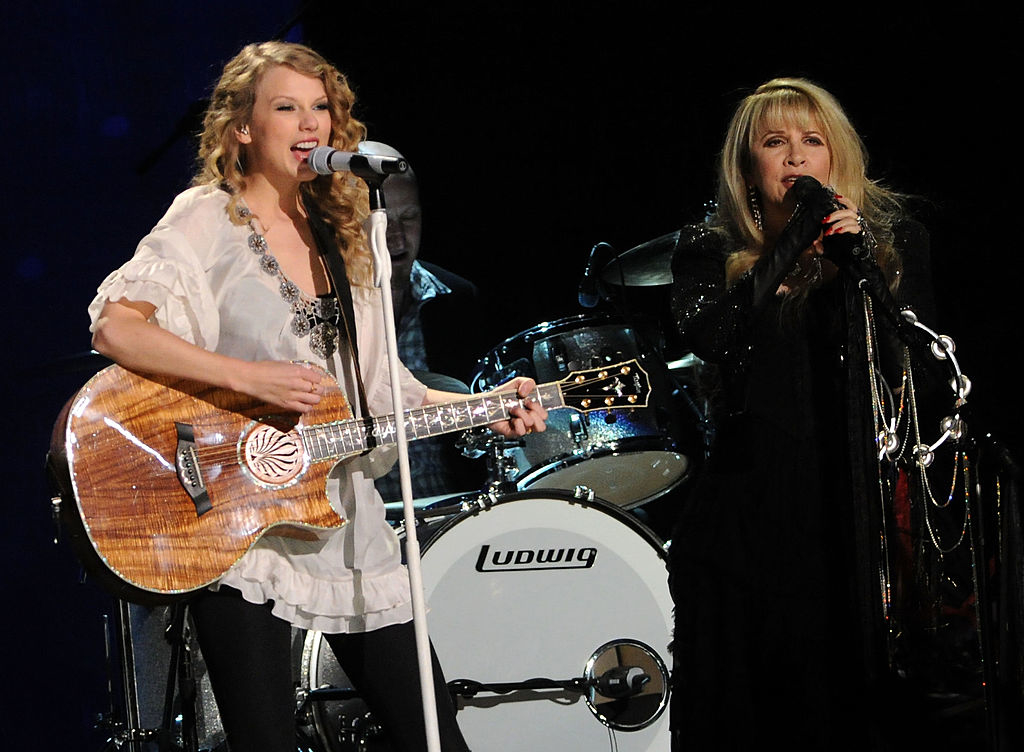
(625, 456)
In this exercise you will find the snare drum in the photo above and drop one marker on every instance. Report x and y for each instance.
(538, 585)
(625, 456)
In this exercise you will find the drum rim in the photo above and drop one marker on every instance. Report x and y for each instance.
(529, 335)
(537, 473)
(618, 448)
(576, 318)
(554, 494)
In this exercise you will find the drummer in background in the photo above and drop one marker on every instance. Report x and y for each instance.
(232, 288)
(430, 303)
(774, 573)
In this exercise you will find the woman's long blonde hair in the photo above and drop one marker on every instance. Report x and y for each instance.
(341, 198)
(787, 101)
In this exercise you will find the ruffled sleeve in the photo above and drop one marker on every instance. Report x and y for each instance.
(166, 271)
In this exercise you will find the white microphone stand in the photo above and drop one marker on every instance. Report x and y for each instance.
(382, 279)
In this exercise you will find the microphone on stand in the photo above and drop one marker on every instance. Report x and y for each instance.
(589, 290)
(324, 160)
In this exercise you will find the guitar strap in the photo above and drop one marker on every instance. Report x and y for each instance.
(327, 245)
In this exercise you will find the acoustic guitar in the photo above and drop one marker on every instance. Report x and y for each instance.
(168, 482)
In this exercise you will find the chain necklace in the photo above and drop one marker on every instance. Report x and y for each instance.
(313, 317)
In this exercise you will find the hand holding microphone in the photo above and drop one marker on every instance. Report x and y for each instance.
(814, 204)
(846, 242)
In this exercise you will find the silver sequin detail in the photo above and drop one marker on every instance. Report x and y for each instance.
(316, 318)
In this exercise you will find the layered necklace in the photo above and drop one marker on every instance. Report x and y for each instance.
(314, 317)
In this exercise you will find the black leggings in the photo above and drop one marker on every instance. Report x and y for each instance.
(248, 657)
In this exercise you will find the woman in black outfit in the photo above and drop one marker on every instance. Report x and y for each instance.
(775, 557)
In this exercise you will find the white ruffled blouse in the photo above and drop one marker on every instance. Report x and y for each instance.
(196, 267)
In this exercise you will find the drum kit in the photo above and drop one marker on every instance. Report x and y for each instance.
(547, 589)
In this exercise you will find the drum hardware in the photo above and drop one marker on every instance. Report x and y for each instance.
(440, 508)
(578, 431)
(306, 696)
(497, 449)
(617, 683)
(690, 375)
(176, 732)
(583, 493)
(622, 696)
(356, 726)
(55, 517)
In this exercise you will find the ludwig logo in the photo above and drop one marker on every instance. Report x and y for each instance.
(523, 559)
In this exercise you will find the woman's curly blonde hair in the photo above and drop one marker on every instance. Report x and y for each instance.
(341, 198)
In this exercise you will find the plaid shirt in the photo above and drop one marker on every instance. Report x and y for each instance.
(427, 457)
(423, 287)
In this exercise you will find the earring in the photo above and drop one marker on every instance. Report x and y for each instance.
(754, 202)
(244, 130)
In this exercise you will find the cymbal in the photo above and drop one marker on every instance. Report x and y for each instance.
(647, 265)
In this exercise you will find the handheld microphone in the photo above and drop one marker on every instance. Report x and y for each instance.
(813, 203)
(847, 250)
(842, 249)
(324, 160)
(819, 199)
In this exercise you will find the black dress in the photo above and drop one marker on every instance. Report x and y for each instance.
(774, 557)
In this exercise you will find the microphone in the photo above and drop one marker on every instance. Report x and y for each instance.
(818, 199)
(589, 295)
(847, 250)
(844, 249)
(324, 160)
(621, 681)
(813, 204)
(821, 200)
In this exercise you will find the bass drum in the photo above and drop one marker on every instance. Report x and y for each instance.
(536, 586)
(626, 457)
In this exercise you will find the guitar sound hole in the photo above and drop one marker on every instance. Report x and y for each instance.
(273, 456)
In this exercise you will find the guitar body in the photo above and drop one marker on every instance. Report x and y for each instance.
(136, 445)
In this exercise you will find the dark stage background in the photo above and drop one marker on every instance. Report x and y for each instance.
(535, 134)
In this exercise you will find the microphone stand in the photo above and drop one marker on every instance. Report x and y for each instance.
(382, 279)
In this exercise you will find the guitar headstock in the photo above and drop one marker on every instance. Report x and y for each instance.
(621, 385)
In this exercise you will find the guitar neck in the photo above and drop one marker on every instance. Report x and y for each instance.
(333, 440)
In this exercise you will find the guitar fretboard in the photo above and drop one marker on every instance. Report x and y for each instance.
(336, 439)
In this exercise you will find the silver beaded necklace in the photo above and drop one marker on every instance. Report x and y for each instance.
(313, 317)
